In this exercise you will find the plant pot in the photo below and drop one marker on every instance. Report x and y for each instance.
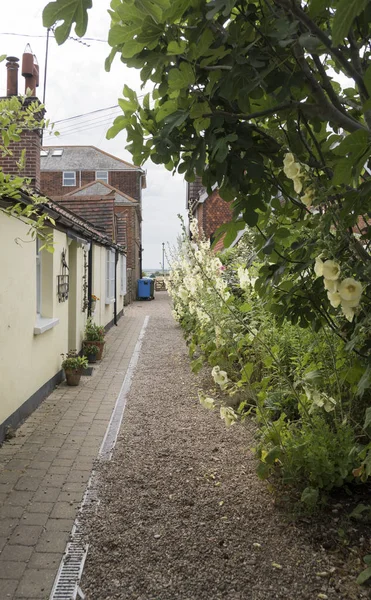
(100, 345)
(73, 376)
(92, 358)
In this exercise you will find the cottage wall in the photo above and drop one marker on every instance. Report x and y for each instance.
(125, 181)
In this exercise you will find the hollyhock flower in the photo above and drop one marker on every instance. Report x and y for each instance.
(331, 270)
(318, 267)
(350, 291)
(227, 413)
(348, 311)
(288, 160)
(334, 298)
(220, 377)
(206, 401)
(292, 171)
(307, 197)
(330, 285)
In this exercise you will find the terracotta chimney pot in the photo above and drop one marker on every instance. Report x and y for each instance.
(12, 67)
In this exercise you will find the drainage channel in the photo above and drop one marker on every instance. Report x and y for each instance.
(66, 585)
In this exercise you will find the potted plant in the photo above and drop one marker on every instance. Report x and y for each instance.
(93, 302)
(91, 352)
(94, 336)
(73, 366)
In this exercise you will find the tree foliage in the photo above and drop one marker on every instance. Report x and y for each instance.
(238, 84)
(17, 198)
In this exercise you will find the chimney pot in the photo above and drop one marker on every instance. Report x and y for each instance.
(12, 67)
(27, 64)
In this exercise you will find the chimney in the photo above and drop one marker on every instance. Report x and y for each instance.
(30, 139)
(30, 70)
(12, 76)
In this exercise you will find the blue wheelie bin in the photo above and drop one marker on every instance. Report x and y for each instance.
(145, 289)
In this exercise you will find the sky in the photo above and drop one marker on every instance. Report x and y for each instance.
(77, 83)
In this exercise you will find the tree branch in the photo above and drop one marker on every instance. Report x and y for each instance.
(294, 9)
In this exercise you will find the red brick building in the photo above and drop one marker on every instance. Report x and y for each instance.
(210, 210)
(87, 181)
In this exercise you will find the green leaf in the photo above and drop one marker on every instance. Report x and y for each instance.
(181, 78)
(175, 48)
(273, 455)
(367, 422)
(166, 109)
(316, 7)
(263, 470)
(68, 11)
(2, 57)
(354, 144)
(364, 576)
(367, 80)
(346, 12)
(310, 496)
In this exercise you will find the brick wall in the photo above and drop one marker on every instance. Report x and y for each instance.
(132, 237)
(30, 141)
(127, 182)
(215, 212)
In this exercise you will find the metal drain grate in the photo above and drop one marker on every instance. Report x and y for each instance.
(66, 584)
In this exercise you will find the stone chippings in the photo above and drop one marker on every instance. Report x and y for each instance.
(182, 512)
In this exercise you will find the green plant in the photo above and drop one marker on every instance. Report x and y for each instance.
(91, 350)
(72, 361)
(94, 332)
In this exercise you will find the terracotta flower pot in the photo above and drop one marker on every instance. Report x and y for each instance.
(100, 345)
(73, 376)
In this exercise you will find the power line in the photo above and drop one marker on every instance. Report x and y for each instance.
(27, 35)
(92, 112)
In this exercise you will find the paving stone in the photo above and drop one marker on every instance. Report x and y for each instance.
(14, 512)
(44, 560)
(8, 588)
(59, 525)
(18, 498)
(17, 463)
(63, 462)
(64, 510)
(15, 552)
(26, 483)
(40, 507)
(53, 541)
(53, 480)
(54, 470)
(26, 535)
(29, 518)
(75, 497)
(36, 583)
(7, 526)
(46, 494)
(11, 569)
(74, 487)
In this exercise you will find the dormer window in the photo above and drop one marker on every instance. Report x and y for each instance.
(69, 178)
(102, 176)
(44, 152)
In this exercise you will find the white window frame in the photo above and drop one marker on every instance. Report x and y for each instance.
(104, 178)
(38, 277)
(67, 180)
(122, 275)
(110, 275)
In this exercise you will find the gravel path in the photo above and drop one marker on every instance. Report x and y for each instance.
(183, 514)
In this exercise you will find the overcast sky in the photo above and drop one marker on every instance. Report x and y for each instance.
(77, 83)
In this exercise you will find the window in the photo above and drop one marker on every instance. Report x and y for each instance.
(38, 276)
(44, 152)
(57, 152)
(45, 292)
(122, 275)
(69, 178)
(110, 276)
(102, 175)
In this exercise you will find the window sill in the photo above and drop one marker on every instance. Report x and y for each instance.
(43, 324)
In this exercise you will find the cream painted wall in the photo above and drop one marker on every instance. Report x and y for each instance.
(27, 361)
(103, 313)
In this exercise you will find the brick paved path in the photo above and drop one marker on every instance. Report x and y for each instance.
(44, 470)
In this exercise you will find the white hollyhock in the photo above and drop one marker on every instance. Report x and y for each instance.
(330, 285)
(220, 377)
(334, 298)
(228, 415)
(331, 270)
(318, 267)
(350, 290)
